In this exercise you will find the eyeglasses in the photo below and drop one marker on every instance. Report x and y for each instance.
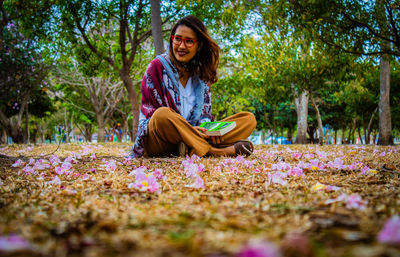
(177, 40)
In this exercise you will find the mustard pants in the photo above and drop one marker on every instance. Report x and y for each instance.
(167, 128)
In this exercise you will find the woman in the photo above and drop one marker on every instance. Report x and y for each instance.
(176, 100)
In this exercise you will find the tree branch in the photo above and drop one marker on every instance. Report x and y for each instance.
(393, 25)
(87, 41)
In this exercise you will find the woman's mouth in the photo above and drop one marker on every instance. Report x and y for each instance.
(181, 53)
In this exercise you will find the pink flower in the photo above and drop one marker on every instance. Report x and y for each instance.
(140, 170)
(296, 171)
(191, 170)
(145, 182)
(309, 156)
(228, 162)
(55, 181)
(316, 165)
(158, 173)
(54, 160)
(259, 249)
(332, 188)
(200, 167)
(240, 159)
(277, 178)
(110, 166)
(86, 150)
(194, 158)
(28, 170)
(337, 164)
(354, 201)
(41, 165)
(302, 165)
(296, 155)
(198, 183)
(64, 169)
(18, 163)
(31, 161)
(321, 154)
(365, 171)
(93, 156)
(390, 234)
(234, 169)
(69, 159)
(281, 166)
(13, 243)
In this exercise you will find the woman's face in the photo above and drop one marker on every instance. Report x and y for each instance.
(184, 43)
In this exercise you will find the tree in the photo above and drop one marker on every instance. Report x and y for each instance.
(156, 27)
(90, 26)
(22, 80)
(93, 95)
(357, 27)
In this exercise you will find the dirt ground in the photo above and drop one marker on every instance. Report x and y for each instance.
(296, 200)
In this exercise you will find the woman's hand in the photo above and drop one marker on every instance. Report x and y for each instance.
(216, 140)
(202, 130)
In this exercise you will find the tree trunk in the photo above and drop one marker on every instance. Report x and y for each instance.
(319, 120)
(365, 133)
(156, 27)
(359, 134)
(336, 137)
(16, 134)
(128, 83)
(40, 130)
(385, 120)
(290, 134)
(101, 127)
(27, 135)
(88, 132)
(125, 129)
(369, 130)
(301, 103)
(12, 125)
(353, 130)
(273, 125)
(4, 137)
(343, 136)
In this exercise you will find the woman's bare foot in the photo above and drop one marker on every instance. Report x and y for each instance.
(226, 151)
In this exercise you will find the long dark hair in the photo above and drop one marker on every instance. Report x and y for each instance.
(205, 62)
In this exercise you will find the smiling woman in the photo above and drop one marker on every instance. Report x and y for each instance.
(176, 99)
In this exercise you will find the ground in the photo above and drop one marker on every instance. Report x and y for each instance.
(300, 200)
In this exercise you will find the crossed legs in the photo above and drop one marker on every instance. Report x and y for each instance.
(167, 128)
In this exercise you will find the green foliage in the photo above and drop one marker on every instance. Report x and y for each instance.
(395, 97)
(356, 26)
(271, 51)
(22, 74)
(230, 95)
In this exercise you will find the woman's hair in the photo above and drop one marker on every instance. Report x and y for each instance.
(205, 62)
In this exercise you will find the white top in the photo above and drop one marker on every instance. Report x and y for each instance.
(188, 98)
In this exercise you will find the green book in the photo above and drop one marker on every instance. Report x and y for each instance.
(218, 128)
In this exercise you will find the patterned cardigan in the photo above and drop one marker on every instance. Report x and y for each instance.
(160, 88)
